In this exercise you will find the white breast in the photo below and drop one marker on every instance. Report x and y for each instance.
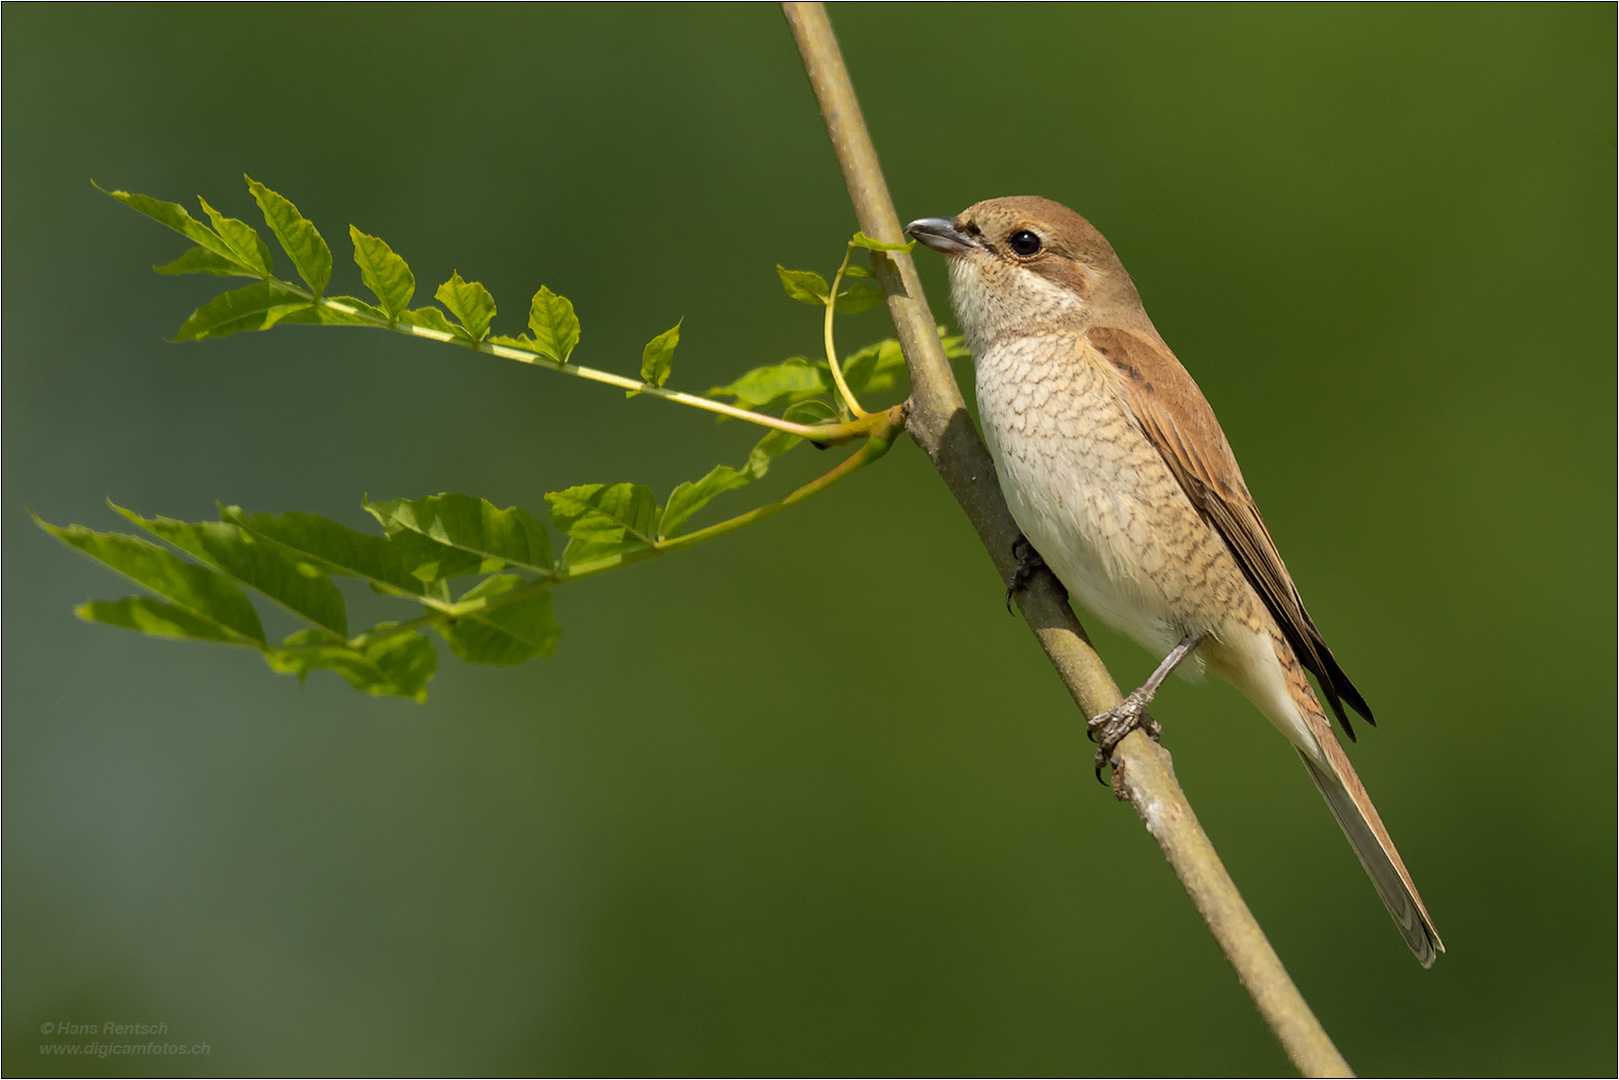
(1076, 471)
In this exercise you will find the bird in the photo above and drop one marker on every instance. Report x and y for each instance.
(1122, 482)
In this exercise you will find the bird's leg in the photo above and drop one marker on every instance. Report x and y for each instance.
(1029, 563)
(1108, 729)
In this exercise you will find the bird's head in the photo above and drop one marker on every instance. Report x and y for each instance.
(1024, 264)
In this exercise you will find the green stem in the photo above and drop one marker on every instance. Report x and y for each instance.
(826, 434)
(850, 404)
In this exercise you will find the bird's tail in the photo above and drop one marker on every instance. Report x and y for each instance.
(1336, 780)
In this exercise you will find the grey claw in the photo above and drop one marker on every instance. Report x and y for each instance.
(1028, 563)
(1108, 729)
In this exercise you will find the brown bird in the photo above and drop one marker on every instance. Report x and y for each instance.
(1118, 474)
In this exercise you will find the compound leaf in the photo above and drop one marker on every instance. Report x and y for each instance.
(298, 235)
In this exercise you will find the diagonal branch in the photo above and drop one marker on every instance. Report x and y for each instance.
(938, 422)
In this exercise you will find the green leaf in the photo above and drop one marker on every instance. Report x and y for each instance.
(469, 302)
(803, 285)
(657, 358)
(862, 240)
(252, 307)
(955, 346)
(776, 443)
(201, 592)
(199, 260)
(299, 237)
(555, 327)
(431, 318)
(859, 296)
(512, 536)
(873, 370)
(383, 272)
(430, 561)
(297, 584)
(156, 618)
(856, 271)
(398, 665)
(693, 495)
(522, 341)
(509, 634)
(338, 549)
(180, 220)
(789, 381)
(603, 520)
(242, 239)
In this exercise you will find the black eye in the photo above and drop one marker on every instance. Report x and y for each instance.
(1025, 243)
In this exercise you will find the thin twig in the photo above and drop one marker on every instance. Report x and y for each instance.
(831, 350)
(826, 434)
(938, 422)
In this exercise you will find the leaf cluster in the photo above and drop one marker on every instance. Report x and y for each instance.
(233, 248)
(477, 575)
(480, 575)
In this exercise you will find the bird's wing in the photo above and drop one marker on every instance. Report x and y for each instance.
(1175, 416)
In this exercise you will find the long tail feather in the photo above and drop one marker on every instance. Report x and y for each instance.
(1359, 821)
(1336, 780)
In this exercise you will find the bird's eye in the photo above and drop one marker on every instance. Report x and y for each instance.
(1025, 243)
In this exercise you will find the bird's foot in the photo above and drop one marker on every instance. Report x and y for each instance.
(1029, 563)
(1108, 729)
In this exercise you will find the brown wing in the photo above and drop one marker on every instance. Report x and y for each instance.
(1178, 420)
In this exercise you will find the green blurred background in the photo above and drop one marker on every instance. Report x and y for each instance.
(807, 800)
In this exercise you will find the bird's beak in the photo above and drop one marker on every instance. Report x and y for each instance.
(944, 235)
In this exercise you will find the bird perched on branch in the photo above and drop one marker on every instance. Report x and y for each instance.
(1119, 476)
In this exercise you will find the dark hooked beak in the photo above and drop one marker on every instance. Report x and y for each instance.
(944, 235)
